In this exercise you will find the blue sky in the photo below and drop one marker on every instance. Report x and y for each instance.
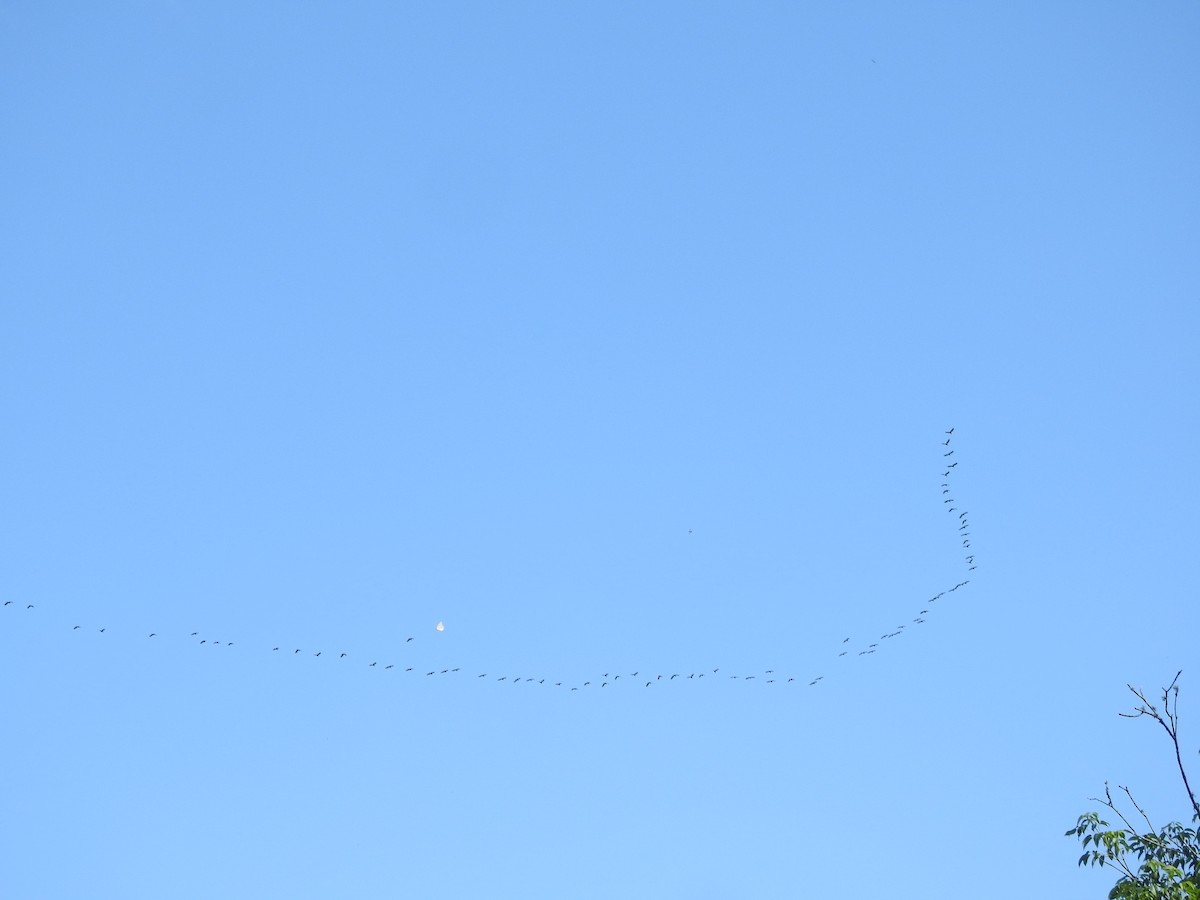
(620, 340)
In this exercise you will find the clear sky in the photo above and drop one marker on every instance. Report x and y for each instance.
(619, 338)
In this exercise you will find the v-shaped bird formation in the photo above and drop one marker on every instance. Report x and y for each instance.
(642, 678)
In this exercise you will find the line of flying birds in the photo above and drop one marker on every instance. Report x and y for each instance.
(767, 676)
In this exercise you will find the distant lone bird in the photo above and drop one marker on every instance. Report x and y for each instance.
(8, 603)
(152, 634)
(30, 606)
(102, 631)
(274, 648)
(843, 653)
(341, 656)
(374, 664)
(297, 650)
(846, 641)
(76, 628)
(408, 640)
(318, 653)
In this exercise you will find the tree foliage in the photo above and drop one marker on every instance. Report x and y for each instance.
(1154, 864)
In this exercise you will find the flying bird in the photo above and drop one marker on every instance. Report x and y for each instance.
(76, 628)
(951, 431)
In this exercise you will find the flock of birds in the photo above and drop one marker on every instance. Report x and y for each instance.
(606, 679)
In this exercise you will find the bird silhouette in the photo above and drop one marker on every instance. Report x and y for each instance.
(392, 666)
(153, 634)
(76, 628)
(951, 431)
(952, 465)
(8, 603)
(30, 606)
(340, 657)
